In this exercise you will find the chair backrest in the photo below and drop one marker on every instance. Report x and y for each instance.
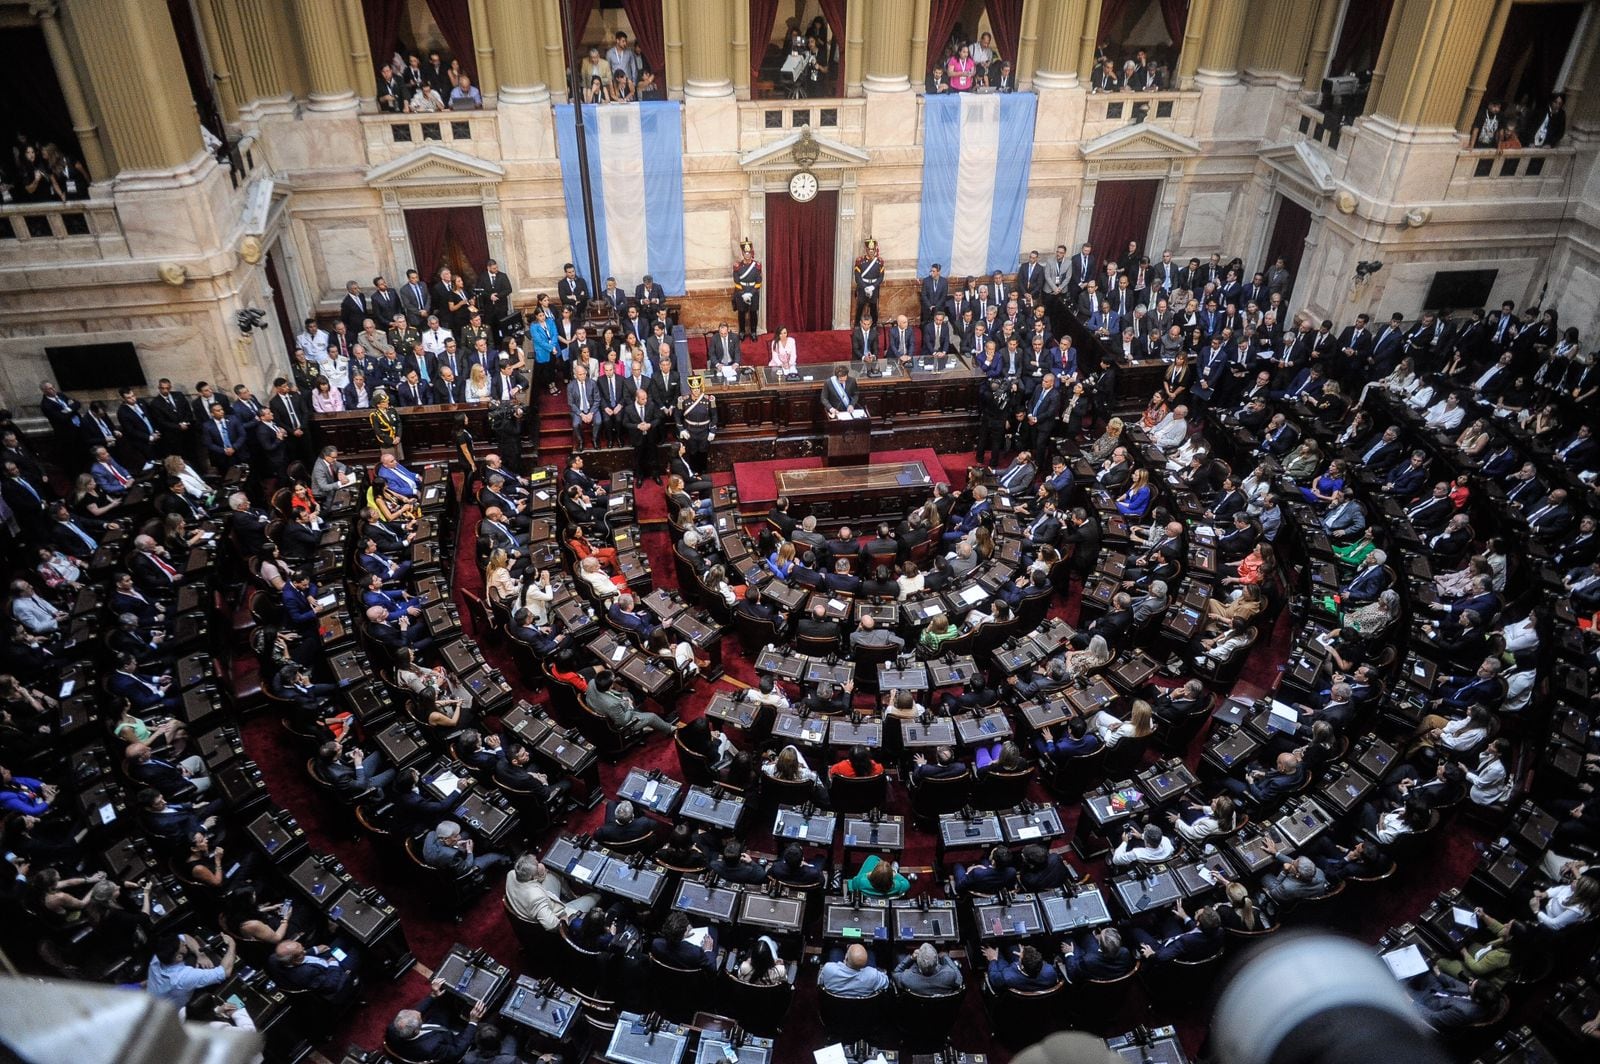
(758, 1007)
(1001, 789)
(926, 1020)
(867, 660)
(1069, 777)
(815, 646)
(852, 795)
(934, 796)
(850, 1019)
(696, 767)
(776, 792)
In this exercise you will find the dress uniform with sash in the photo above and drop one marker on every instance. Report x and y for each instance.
(747, 291)
(386, 428)
(869, 281)
(696, 415)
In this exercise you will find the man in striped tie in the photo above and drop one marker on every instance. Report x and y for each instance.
(109, 474)
(397, 477)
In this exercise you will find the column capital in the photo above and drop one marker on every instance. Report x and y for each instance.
(43, 9)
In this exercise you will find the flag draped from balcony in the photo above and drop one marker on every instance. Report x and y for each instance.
(636, 174)
(975, 162)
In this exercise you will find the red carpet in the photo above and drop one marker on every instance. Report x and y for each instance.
(431, 934)
(758, 481)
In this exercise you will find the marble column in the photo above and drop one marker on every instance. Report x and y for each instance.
(1436, 44)
(83, 126)
(1484, 66)
(1277, 38)
(327, 62)
(519, 55)
(1583, 107)
(221, 66)
(1060, 36)
(1380, 68)
(1194, 34)
(149, 115)
(855, 35)
(741, 49)
(672, 18)
(488, 81)
(548, 14)
(363, 66)
(921, 14)
(1027, 45)
(888, 46)
(708, 54)
(1088, 39)
(1321, 45)
(269, 48)
(1224, 36)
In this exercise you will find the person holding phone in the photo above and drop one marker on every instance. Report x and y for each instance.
(329, 972)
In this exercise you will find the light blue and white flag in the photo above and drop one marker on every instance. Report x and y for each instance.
(636, 176)
(976, 152)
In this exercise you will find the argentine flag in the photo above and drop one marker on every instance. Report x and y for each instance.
(976, 152)
(636, 177)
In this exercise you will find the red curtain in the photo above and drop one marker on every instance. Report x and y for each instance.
(1531, 52)
(1005, 18)
(1289, 234)
(1112, 13)
(942, 18)
(448, 236)
(194, 65)
(763, 16)
(799, 264)
(1122, 212)
(581, 10)
(455, 22)
(1361, 35)
(383, 30)
(834, 12)
(1175, 13)
(649, 32)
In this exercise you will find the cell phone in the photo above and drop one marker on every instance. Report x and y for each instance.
(338, 954)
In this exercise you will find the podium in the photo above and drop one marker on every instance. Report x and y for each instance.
(849, 441)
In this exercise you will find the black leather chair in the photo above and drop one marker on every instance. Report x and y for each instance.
(933, 797)
(851, 795)
(926, 1020)
(1000, 789)
(759, 1008)
(852, 1019)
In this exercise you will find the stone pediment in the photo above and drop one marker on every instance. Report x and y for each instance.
(804, 150)
(1303, 161)
(1139, 141)
(433, 166)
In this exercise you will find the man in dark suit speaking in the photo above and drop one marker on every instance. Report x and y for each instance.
(839, 395)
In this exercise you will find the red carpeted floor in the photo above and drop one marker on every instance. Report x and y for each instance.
(758, 481)
(431, 933)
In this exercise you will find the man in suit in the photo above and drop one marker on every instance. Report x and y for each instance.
(1447, 1003)
(640, 418)
(178, 781)
(839, 395)
(397, 478)
(1081, 537)
(819, 627)
(1409, 479)
(1266, 789)
(1037, 421)
(572, 290)
(933, 292)
(1551, 519)
(617, 705)
(397, 633)
(996, 874)
(352, 772)
(1296, 879)
(289, 411)
(1018, 476)
(494, 298)
(173, 418)
(624, 613)
(145, 693)
(1430, 514)
(617, 300)
(140, 438)
(353, 309)
(1024, 970)
(422, 1034)
(1177, 936)
(864, 341)
(1096, 955)
(583, 403)
(1381, 455)
(1279, 438)
(649, 297)
(1345, 520)
(316, 971)
(723, 348)
(938, 338)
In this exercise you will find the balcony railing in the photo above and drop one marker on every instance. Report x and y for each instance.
(75, 230)
(1106, 112)
(1518, 172)
(390, 136)
(762, 122)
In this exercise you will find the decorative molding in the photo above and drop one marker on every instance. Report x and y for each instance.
(1141, 141)
(1303, 162)
(423, 171)
(784, 154)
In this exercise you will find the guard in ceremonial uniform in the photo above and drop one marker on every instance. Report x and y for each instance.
(696, 415)
(869, 281)
(385, 425)
(472, 332)
(747, 291)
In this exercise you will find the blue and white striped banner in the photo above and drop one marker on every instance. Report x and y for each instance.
(636, 176)
(976, 152)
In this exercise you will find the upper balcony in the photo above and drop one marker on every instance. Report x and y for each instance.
(390, 136)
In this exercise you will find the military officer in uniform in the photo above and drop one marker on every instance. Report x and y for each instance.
(401, 336)
(385, 424)
(474, 331)
(747, 291)
(869, 280)
(696, 415)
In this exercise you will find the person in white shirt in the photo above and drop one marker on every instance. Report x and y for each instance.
(1172, 430)
(1150, 846)
(539, 896)
(1522, 636)
(1490, 782)
(1445, 415)
(1566, 904)
(538, 597)
(314, 342)
(33, 612)
(1421, 395)
(434, 337)
(337, 369)
(591, 573)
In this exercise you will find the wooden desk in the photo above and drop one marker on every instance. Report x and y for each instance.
(857, 494)
(849, 440)
(426, 432)
(762, 416)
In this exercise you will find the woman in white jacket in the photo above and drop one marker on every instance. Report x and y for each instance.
(1491, 780)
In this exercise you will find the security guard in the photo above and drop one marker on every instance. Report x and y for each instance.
(747, 290)
(869, 281)
(696, 415)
